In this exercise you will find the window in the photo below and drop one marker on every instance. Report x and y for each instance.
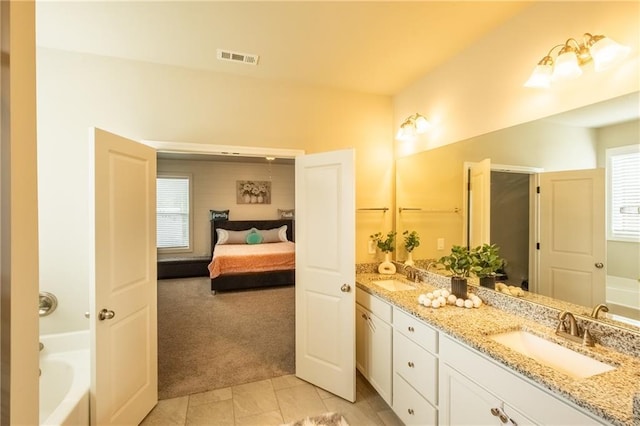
(173, 201)
(623, 193)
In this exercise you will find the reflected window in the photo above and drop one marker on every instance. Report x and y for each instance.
(623, 193)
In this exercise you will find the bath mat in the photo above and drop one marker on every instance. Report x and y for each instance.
(326, 419)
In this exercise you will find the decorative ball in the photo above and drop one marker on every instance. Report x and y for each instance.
(422, 299)
(477, 303)
(451, 299)
(435, 303)
(459, 302)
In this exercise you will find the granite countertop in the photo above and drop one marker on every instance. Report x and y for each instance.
(609, 395)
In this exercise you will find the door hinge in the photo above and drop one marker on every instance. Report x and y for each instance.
(537, 189)
(537, 246)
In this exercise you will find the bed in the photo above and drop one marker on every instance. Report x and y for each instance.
(237, 265)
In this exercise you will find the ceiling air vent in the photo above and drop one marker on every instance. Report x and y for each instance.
(246, 58)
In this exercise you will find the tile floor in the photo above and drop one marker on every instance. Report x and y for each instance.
(271, 402)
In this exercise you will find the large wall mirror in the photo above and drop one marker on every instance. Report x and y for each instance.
(566, 153)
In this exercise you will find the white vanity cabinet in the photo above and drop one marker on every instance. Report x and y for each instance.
(374, 342)
(415, 366)
(477, 390)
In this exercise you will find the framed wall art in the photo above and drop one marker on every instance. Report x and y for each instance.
(253, 192)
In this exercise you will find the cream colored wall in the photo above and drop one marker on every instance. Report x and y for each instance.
(481, 89)
(214, 188)
(623, 257)
(156, 102)
(433, 180)
(19, 230)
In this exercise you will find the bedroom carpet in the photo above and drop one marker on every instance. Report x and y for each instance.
(208, 342)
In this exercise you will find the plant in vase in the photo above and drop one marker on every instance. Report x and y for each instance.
(486, 262)
(386, 245)
(460, 264)
(411, 241)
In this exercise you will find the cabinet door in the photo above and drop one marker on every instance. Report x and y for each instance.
(462, 402)
(379, 359)
(361, 337)
(373, 351)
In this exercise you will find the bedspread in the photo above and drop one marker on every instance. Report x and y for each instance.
(242, 258)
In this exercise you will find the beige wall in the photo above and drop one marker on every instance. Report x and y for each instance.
(213, 188)
(433, 180)
(19, 230)
(157, 102)
(481, 89)
(623, 257)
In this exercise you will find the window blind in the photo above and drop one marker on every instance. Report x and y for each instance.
(172, 200)
(624, 190)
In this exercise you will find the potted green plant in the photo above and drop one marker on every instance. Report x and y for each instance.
(460, 263)
(411, 241)
(386, 244)
(486, 262)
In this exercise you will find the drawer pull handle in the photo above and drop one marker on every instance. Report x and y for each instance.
(410, 364)
(364, 316)
(503, 418)
(495, 412)
(410, 411)
(411, 329)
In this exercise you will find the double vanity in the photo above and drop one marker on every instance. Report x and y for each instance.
(501, 363)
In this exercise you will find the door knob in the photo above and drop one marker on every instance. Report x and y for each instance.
(346, 288)
(599, 265)
(106, 315)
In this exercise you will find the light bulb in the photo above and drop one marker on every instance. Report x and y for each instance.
(540, 77)
(566, 66)
(422, 125)
(606, 53)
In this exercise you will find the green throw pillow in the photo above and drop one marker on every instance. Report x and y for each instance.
(253, 237)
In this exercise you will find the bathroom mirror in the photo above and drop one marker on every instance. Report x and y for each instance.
(431, 196)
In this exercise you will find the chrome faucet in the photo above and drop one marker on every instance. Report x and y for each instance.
(574, 333)
(601, 307)
(412, 273)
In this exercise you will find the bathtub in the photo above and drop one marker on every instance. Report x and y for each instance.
(64, 379)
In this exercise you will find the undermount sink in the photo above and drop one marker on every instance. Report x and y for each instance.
(393, 285)
(551, 354)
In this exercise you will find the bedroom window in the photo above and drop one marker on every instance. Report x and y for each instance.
(623, 190)
(173, 213)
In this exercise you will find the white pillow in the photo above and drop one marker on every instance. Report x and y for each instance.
(274, 235)
(232, 237)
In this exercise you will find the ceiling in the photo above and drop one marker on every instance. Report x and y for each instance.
(377, 47)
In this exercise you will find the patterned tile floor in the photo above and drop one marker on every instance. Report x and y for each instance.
(271, 402)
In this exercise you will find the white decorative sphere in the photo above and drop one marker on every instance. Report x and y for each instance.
(459, 303)
(468, 304)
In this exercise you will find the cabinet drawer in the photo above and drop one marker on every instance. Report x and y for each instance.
(374, 304)
(412, 408)
(416, 330)
(417, 366)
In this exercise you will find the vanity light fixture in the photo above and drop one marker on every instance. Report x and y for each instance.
(604, 52)
(412, 126)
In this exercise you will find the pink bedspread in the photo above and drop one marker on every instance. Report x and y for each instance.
(239, 258)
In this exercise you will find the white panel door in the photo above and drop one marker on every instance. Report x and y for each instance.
(479, 203)
(325, 271)
(124, 366)
(572, 236)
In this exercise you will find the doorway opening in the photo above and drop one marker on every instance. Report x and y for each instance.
(510, 219)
